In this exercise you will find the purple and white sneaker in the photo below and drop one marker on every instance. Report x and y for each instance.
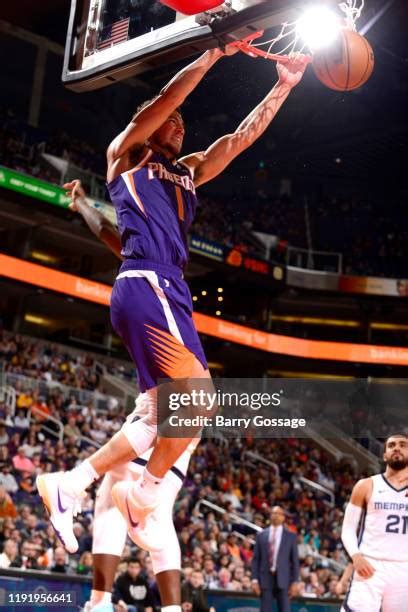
(61, 506)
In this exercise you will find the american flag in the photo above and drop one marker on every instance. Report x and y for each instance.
(114, 34)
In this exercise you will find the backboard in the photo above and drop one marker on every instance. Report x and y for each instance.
(110, 40)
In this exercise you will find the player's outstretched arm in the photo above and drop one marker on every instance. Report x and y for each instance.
(96, 221)
(208, 164)
(359, 498)
(150, 118)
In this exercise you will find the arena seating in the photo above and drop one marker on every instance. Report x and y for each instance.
(219, 545)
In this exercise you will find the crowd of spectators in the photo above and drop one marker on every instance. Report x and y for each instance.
(216, 550)
(53, 383)
(379, 250)
(21, 146)
(335, 224)
(47, 362)
(226, 225)
(54, 363)
(17, 146)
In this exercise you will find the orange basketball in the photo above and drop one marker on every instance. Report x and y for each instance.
(346, 64)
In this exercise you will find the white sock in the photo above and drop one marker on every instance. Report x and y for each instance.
(79, 478)
(147, 487)
(171, 609)
(100, 597)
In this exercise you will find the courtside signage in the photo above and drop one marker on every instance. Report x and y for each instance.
(298, 347)
(40, 276)
(330, 281)
(207, 248)
(32, 187)
(82, 288)
(47, 192)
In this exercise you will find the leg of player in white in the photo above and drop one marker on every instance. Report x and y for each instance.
(109, 537)
(380, 552)
(110, 527)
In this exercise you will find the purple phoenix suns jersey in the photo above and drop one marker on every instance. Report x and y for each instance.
(155, 204)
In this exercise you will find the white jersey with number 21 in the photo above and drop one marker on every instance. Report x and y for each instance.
(384, 529)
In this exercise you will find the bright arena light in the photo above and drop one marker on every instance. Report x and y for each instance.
(318, 27)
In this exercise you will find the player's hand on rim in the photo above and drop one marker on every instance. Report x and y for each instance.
(74, 190)
(362, 566)
(292, 67)
(230, 49)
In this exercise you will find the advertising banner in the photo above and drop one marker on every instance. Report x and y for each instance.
(206, 247)
(78, 287)
(329, 281)
(224, 601)
(373, 286)
(33, 187)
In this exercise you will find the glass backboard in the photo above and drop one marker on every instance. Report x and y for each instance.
(110, 40)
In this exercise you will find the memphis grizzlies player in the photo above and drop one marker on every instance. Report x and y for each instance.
(380, 552)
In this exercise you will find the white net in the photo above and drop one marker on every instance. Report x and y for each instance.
(289, 38)
(352, 10)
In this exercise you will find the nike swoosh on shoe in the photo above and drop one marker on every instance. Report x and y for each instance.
(60, 507)
(132, 522)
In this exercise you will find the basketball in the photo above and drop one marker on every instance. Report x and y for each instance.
(345, 65)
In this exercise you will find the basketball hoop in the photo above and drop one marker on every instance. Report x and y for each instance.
(290, 40)
(246, 45)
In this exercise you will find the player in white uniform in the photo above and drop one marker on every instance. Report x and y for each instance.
(380, 552)
(110, 529)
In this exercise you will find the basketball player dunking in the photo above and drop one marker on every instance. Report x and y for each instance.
(380, 553)
(154, 194)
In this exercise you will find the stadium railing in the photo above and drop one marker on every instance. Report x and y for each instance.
(94, 184)
(101, 363)
(309, 483)
(327, 445)
(45, 388)
(8, 396)
(122, 389)
(373, 445)
(308, 259)
(255, 457)
(350, 447)
(57, 434)
(235, 518)
(318, 487)
(89, 442)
